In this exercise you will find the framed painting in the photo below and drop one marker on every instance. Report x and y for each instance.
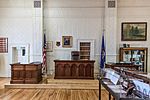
(3, 45)
(49, 46)
(67, 41)
(134, 31)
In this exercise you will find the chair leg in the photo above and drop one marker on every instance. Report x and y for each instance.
(109, 96)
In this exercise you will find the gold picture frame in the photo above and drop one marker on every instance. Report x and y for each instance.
(134, 31)
(67, 41)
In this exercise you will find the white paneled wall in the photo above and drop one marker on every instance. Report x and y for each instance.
(134, 11)
(74, 3)
(16, 23)
(82, 19)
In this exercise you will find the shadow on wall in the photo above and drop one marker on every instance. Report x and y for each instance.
(2, 62)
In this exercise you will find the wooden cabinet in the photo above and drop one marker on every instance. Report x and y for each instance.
(74, 69)
(135, 55)
(86, 48)
(26, 73)
(17, 73)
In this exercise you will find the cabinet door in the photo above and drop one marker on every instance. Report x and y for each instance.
(81, 70)
(74, 70)
(60, 70)
(88, 70)
(67, 70)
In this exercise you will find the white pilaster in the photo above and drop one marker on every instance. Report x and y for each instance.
(37, 32)
(110, 27)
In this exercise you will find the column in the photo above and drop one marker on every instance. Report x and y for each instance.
(36, 47)
(110, 26)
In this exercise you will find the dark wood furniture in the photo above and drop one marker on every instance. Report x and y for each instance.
(136, 74)
(116, 95)
(26, 73)
(136, 55)
(130, 66)
(75, 55)
(115, 90)
(74, 69)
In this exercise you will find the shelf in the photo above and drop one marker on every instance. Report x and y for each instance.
(85, 55)
(84, 43)
(84, 46)
(85, 59)
(84, 50)
(134, 55)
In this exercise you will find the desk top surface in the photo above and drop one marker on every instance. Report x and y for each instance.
(74, 60)
(121, 64)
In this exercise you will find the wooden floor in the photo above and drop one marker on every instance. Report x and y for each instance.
(49, 94)
(60, 84)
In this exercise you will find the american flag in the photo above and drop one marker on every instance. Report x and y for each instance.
(44, 69)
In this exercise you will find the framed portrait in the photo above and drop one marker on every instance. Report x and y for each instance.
(134, 31)
(3, 45)
(67, 41)
(49, 46)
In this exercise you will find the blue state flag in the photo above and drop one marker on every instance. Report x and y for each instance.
(103, 53)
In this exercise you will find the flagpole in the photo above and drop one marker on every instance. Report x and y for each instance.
(103, 33)
(44, 65)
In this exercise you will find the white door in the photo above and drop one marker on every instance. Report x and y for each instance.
(18, 53)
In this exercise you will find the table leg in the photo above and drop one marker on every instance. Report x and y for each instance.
(109, 96)
(99, 89)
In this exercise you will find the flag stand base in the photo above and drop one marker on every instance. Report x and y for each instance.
(44, 77)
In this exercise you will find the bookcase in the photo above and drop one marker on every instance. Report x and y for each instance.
(86, 48)
(136, 55)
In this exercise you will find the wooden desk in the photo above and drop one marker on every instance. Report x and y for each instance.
(26, 73)
(74, 69)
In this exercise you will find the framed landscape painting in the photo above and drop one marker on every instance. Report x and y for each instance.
(134, 31)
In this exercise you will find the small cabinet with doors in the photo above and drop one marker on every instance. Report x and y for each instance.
(136, 55)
